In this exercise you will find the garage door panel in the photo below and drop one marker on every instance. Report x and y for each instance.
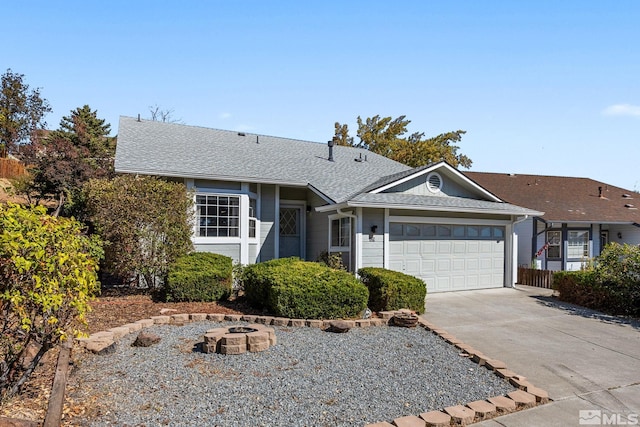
(448, 264)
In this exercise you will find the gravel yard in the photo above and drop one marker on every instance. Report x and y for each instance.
(310, 378)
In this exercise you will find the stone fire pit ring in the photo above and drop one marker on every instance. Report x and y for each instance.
(238, 339)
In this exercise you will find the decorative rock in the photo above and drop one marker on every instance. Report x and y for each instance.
(146, 322)
(233, 317)
(503, 404)
(198, 317)
(523, 399)
(409, 421)
(505, 373)
(338, 326)
(405, 320)
(180, 318)
(363, 323)
(161, 320)
(381, 424)
(386, 314)
(315, 323)
(450, 339)
(436, 419)
(119, 332)
(280, 321)
(494, 364)
(479, 358)
(165, 311)
(216, 317)
(298, 323)
(249, 318)
(146, 339)
(133, 327)
(483, 409)
(460, 414)
(366, 314)
(378, 322)
(101, 335)
(540, 395)
(520, 383)
(101, 347)
(265, 320)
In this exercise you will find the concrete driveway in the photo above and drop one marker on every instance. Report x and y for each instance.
(585, 360)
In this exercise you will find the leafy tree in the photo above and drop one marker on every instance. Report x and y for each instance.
(48, 274)
(385, 136)
(22, 111)
(63, 161)
(146, 224)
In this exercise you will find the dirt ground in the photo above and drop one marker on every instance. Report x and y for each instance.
(108, 311)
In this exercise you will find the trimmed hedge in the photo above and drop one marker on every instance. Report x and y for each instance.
(199, 276)
(611, 285)
(392, 290)
(289, 287)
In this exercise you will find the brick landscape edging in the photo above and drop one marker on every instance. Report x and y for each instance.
(526, 396)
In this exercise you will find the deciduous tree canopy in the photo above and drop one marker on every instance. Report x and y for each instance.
(386, 136)
(22, 111)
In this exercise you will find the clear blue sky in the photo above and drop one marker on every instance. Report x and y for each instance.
(543, 87)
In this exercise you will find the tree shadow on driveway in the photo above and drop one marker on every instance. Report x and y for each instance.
(576, 310)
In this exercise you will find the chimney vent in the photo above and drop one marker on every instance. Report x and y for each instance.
(600, 191)
(241, 134)
(330, 144)
(138, 116)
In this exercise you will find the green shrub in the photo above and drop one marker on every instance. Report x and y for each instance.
(199, 276)
(48, 275)
(293, 288)
(392, 290)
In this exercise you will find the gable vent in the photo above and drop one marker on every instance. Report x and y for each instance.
(434, 182)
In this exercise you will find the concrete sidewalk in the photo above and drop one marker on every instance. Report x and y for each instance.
(585, 360)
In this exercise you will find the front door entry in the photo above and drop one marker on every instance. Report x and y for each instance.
(290, 232)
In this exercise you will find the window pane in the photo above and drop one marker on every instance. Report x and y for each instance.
(412, 230)
(578, 244)
(429, 230)
(458, 231)
(473, 231)
(395, 229)
(335, 232)
(485, 231)
(444, 231)
(498, 231)
(212, 211)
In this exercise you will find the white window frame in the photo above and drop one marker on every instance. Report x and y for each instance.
(558, 244)
(244, 218)
(584, 246)
(339, 248)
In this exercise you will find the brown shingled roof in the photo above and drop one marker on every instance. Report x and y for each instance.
(564, 199)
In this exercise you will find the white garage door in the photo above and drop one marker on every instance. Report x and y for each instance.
(449, 257)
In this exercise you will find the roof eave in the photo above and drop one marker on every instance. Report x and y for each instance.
(358, 204)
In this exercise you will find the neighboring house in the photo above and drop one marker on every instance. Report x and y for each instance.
(260, 197)
(580, 216)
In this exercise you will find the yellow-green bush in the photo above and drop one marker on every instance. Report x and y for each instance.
(48, 275)
(392, 290)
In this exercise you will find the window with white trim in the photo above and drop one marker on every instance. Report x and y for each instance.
(341, 232)
(218, 215)
(252, 217)
(578, 244)
(554, 244)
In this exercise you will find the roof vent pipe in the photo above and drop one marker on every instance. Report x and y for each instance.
(138, 116)
(600, 192)
(330, 144)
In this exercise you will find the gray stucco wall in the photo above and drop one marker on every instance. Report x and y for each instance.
(267, 222)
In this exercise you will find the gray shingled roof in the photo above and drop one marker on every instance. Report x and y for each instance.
(412, 201)
(169, 149)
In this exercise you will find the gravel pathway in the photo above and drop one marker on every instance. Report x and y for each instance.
(310, 378)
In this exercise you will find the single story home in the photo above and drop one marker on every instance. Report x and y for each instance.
(581, 216)
(260, 197)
